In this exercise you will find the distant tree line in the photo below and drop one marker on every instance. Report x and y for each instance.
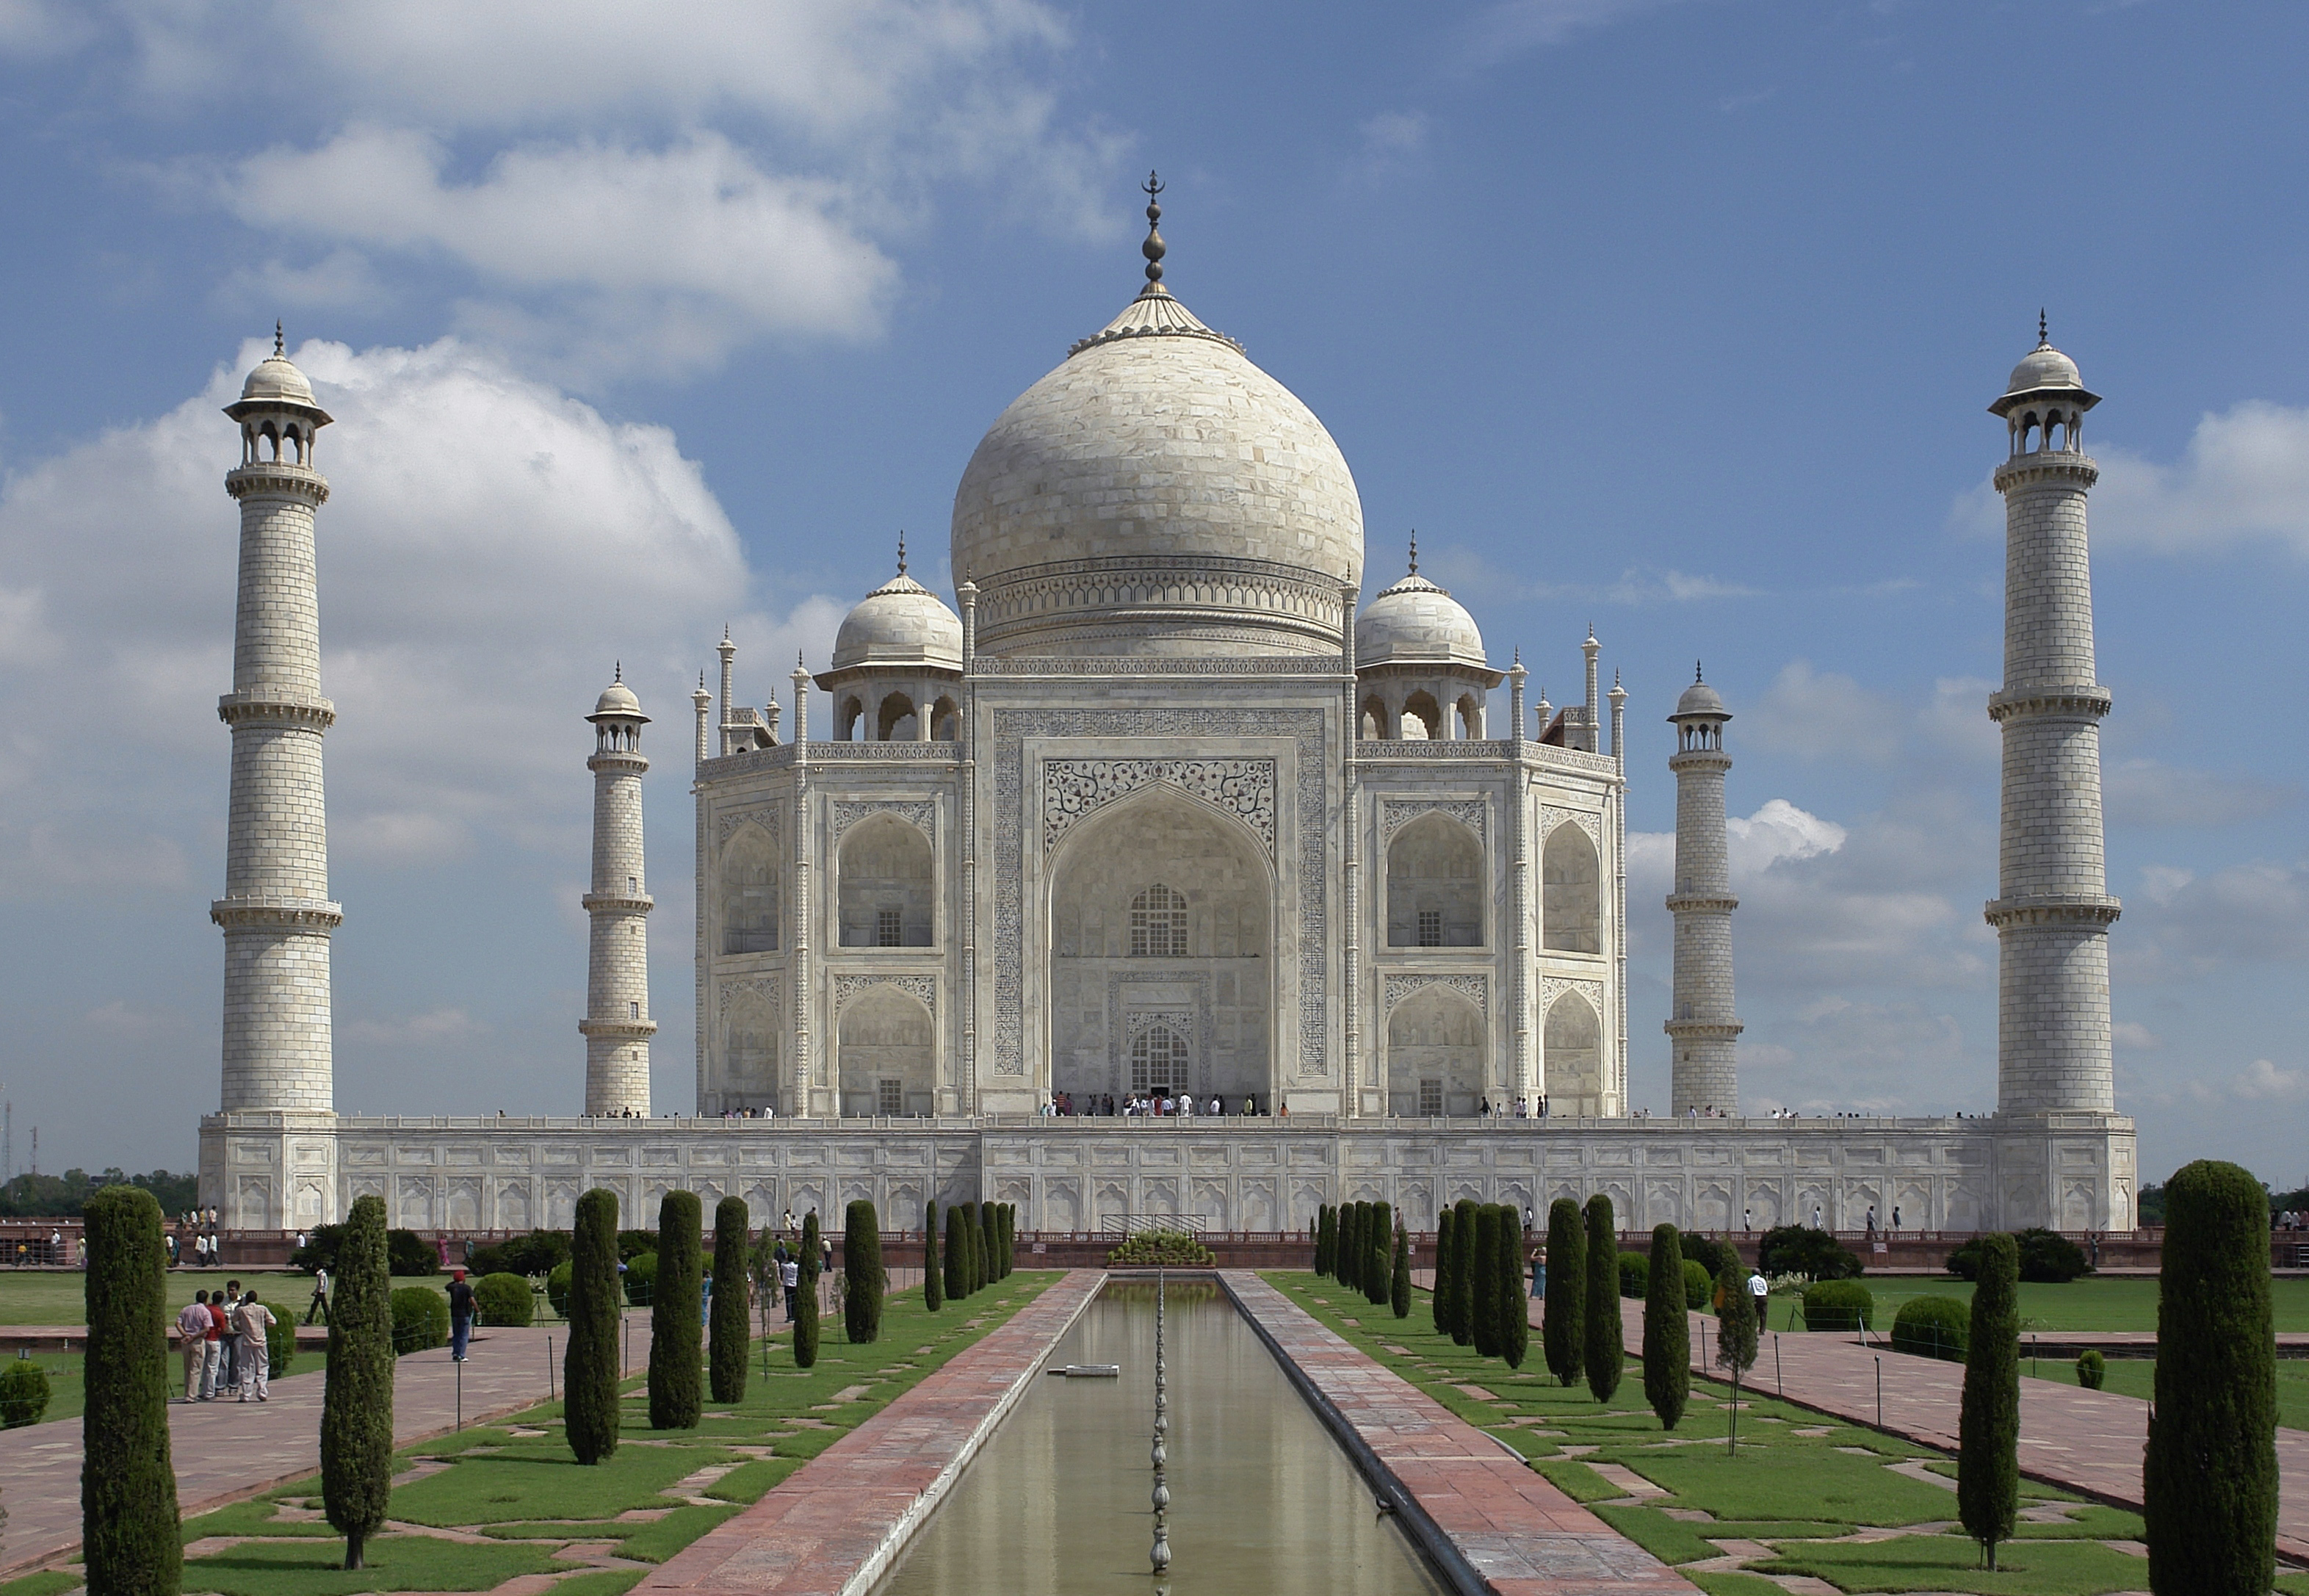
(65, 1196)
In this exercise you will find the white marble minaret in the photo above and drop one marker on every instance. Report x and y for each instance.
(1703, 1031)
(617, 1025)
(275, 912)
(2053, 910)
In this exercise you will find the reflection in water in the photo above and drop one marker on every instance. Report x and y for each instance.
(1262, 1500)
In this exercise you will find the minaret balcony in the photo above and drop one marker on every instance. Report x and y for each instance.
(616, 903)
(2063, 467)
(1721, 903)
(263, 707)
(281, 479)
(2080, 698)
(618, 1030)
(304, 913)
(1703, 1030)
(2054, 908)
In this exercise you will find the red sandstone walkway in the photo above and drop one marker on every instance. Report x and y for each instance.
(225, 1451)
(1489, 1512)
(837, 1523)
(2086, 1441)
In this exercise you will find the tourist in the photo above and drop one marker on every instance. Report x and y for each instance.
(214, 1347)
(1896, 1218)
(193, 1331)
(228, 1339)
(251, 1321)
(318, 1308)
(790, 1279)
(461, 1315)
(1871, 1223)
(1539, 1274)
(790, 1228)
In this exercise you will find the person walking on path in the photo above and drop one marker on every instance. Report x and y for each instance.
(790, 1278)
(228, 1336)
(255, 1320)
(1539, 1274)
(1760, 1289)
(212, 1347)
(461, 1315)
(192, 1330)
(318, 1308)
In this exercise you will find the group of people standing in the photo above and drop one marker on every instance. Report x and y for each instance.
(227, 1343)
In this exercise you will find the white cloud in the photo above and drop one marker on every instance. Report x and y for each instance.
(1514, 26)
(2149, 793)
(435, 1028)
(1780, 831)
(2240, 913)
(1819, 715)
(2133, 1034)
(2264, 1081)
(1395, 132)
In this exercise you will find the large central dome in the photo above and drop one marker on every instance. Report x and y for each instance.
(1158, 493)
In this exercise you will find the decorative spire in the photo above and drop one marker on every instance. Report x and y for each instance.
(1415, 553)
(619, 674)
(279, 342)
(1153, 249)
(1697, 677)
(901, 551)
(2044, 339)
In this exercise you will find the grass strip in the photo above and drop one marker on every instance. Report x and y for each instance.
(1911, 1563)
(395, 1562)
(1671, 1540)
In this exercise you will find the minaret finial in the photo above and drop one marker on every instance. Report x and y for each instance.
(620, 673)
(279, 341)
(1415, 553)
(2044, 335)
(1696, 676)
(901, 551)
(1153, 249)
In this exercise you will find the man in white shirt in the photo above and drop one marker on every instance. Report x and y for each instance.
(1760, 1289)
(251, 1320)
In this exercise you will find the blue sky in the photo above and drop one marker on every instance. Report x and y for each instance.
(1675, 317)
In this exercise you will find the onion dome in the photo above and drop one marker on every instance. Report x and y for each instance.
(617, 702)
(1699, 702)
(1416, 622)
(276, 383)
(2044, 373)
(901, 623)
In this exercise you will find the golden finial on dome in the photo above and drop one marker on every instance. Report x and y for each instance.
(277, 339)
(1153, 249)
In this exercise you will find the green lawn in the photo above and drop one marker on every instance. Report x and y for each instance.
(2136, 1377)
(2110, 1302)
(45, 1297)
(1805, 1496)
(514, 1483)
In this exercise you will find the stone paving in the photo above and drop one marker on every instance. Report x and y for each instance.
(225, 1451)
(1518, 1534)
(835, 1525)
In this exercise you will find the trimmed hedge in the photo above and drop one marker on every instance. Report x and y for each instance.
(861, 1270)
(280, 1351)
(504, 1299)
(1667, 1332)
(557, 1288)
(933, 1272)
(1379, 1267)
(1839, 1304)
(1463, 1285)
(2092, 1369)
(1635, 1274)
(676, 1375)
(589, 1369)
(357, 1398)
(1439, 1300)
(1699, 1285)
(1712, 1255)
(420, 1319)
(1933, 1327)
(127, 1483)
(1162, 1249)
(640, 1280)
(2046, 1258)
(1398, 1282)
(540, 1251)
(23, 1394)
(1800, 1250)
(1483, 1281)
(1514, 1318)
(732, 1320)
(991, 1224)
(957, 1256)
(1602, 1351)
(805, 1329)
(1563, 1326)
(1988, 1423)
(1325, 1232)
(406, 1253)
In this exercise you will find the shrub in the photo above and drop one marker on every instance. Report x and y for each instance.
(732, 1332)
(1602, 1350)
(633, 1243)
(504, 1299)
(1699, 1285)
(357, 1398)
(1563, 1325)
(2211, 1475)
(281, 1349)
(1398, 1279)
(2092, 1369)
(557, 1288)
(420, 1319)
(1463, 1283)
(990, 1223)
(1800, 1250)
(540, 1251)
(677, 1382)
(1712, 1255)
(128, 1485)
(933, 1275)
(320, 1249)
(957, 1256)
(1439, 1300)
(1346, 1250)
(1988, 1423)
(1514, 1318)
(861, 1267)
(589, 1369)
(1379, 1266)
(2046, 1258)
(1838, 1305)
(1324, 1235)
(408, 1254)
(1010, 1238)
(1933, 1327)
(1162, 1249)
(1635, 1274)
(1483, 1281)
(1736, 1319)
(23, 1394)
(805, 1329)
(641, 1279)
(1667, 1333)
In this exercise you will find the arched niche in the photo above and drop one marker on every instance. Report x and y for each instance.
(945, 722)
(1572, 1057)
(1435, 885)
(748, 1076)
(1435, 1054)
(1204, 957)
(749, 892)
(885, 897)
(886, 1054)
(1422, 717)
(1571, 899)
(894, 719)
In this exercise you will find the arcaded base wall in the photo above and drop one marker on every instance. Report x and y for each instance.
(2073, 1172)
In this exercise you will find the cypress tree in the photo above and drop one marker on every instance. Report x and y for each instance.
(675, 1393)
(127, 1481)
(1010, 1238)
(1735, 1333)
(2211, 1475)
(805, 1330)
(590, 1368)
(1463, 1282)
(356, 1400)
(732, 1320)
(977, 1240)
(1484, 1278)
(933, 1280)
(1602, 1348)
(1988, 1425)
(1343, 1250)
(1564, 1333)
(861, 1267)
(1323, 1240)
(1398, 1282)
(989, 1225)
(1515, 1319)
(1379, 1266)
(957, 1256)
(1439, 1299)
(1667, 1333)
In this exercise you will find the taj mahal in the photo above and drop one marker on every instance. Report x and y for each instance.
(1159, 805)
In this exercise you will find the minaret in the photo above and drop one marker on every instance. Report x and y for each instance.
(703, 702)
(2053, 910)
(275, 912)
(617, 1025)
(1703, 1031)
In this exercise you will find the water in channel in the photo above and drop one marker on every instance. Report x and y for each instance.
(1263, 1502)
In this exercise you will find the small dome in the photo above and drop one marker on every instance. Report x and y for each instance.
(901, 623)
(276, 380)
(1416, 622)
(2045, 367)
(1699, 699)
(618, 699)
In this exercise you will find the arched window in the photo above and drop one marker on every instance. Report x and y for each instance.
(894, 720)
(749, 893)
(943, 721)
(1572, 1057)
(1158, 1061)
(1422, 717)
(1434, 885)
(885, 897)
(749, 1055)
(1158, 923)
(1374, 717)
(1470, 710)
(846, 716)
(1570, 893)
(886, 1053)
(1435, 1054)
